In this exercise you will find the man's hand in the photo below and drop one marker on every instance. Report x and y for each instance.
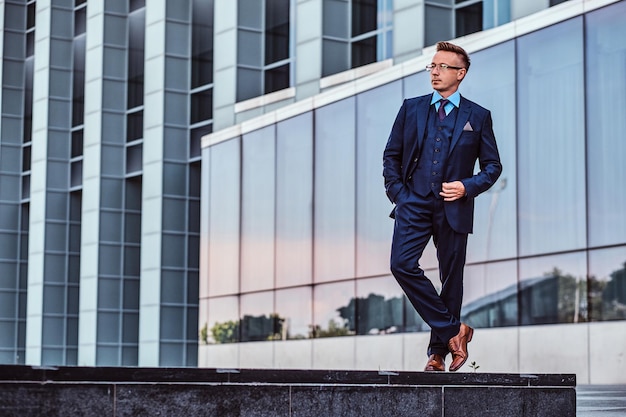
(451, 191)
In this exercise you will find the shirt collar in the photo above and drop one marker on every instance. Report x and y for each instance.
(455, 98)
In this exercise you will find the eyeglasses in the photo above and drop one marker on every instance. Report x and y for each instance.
(442, 67)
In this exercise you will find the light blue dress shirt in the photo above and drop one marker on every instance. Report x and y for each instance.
(453, 101)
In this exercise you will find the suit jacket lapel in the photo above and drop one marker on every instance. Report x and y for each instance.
(423, 107)
(461, 118)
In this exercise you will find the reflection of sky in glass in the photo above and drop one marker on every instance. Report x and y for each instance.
(257, 304)
(295, 306)
(386, 286)
(485, 279)
(294, 200)
(328, 298)
(602, 263)
(574, 264)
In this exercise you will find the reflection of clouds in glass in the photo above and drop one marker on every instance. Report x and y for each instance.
(386, 286)
(223, 309)
(294, 305)
(328, 298)
(603, 263)
(485, 279)
(259, 304)
(574, 264)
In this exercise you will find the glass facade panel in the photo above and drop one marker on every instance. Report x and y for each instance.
(202, 43)
(334, 191)
(490, 297)
(334, 309)
(136, 28)
(257, 320)
(294, 201)
(224, 203)
(276, 79)
(376, 112)
(294, 307)
(379, 306)
(469, 19)
(607, 284)
(553, 289)
(491, 83)
(364, 52)
(336, 18)
(257, 209)
(551, 134)
(223, 322)
(276, 30)
(364, 14)
(438, 23)
(606, 147)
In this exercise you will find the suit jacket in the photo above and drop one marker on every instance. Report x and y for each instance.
(472, 139)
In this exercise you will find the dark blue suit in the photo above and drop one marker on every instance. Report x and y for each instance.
(420, 216)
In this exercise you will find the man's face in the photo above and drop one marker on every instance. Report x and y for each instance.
(446, 81)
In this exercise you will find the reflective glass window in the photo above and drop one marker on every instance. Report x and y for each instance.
(607, 284)
(490, 297)
(223, 320)
(294, 308)
(376, 112)
(469, 19)
(551, 134)
(257, 209)
(491, 83)
(257, 319)
(364, 14)
(202, 43)
(334, 309)
(276, 30)
(294, 201)
(276, 79)
(438, 24)
(606, 147)
(379, 306)
(223, 217)
(553, 289)
(334, 191)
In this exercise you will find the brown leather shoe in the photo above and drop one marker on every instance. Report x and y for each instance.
(458, 346)
(435, 363)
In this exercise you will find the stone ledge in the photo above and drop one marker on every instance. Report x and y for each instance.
(112, 391)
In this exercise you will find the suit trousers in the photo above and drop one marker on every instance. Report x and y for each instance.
(417, 219)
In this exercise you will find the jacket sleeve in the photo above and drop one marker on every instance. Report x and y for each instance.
(392, 156)
(488, 159)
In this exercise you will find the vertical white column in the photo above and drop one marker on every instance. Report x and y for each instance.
(408, 29)
(92, 157)
(152, 198)
(37, 225)
(225, 64)
(306, 29)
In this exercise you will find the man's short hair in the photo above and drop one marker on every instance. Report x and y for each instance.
(450, 47)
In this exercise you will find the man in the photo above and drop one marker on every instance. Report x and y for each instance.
(428, 166)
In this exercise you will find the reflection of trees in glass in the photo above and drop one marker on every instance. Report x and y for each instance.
(553, 298)
(607, 299)
(374, 314)
(334, 329)
(248, 329)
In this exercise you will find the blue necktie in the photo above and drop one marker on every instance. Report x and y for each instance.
(442, 111)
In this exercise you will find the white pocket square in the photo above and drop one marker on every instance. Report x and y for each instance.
(468, 127)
